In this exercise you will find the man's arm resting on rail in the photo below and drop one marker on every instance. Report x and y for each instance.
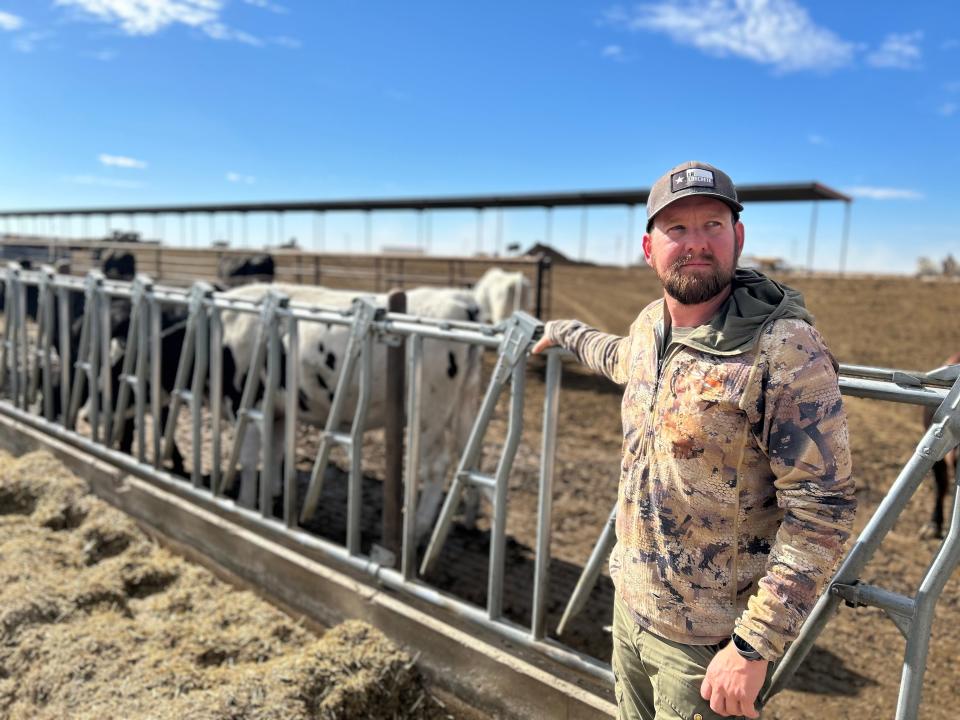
(606, 354)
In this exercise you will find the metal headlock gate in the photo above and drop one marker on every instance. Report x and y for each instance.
(38, 358)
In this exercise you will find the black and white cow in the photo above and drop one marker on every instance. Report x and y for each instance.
(501, 293)
(451, 379)
(234, 270)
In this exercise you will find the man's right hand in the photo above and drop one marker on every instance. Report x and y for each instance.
(542, 344)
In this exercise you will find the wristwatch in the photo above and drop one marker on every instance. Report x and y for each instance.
(745, 649)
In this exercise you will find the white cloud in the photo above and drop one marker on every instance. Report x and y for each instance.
(815, 139)
(236, 177)
(772, 32)
(948, 109)
(951, 44)
(899, 50)
(219, 31)
(614, 52)
(883, 193)
(27, 42)
(10, 22)
(121, 161)
(102, 182)
(148, 17)
(266, 5)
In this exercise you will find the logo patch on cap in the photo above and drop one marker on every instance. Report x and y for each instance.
(692, 177)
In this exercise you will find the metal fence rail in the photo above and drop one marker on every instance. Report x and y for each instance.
(36, 360)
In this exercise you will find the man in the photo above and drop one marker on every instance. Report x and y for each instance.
(735, 499)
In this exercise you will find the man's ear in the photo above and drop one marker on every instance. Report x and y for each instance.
(740, 234)
(648, 249)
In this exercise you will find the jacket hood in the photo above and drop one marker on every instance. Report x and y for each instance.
(755, 301)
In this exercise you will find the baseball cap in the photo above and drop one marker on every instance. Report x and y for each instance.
(691, 178)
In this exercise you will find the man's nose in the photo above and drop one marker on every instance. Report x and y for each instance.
(697, 241)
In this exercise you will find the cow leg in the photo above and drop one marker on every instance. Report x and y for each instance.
(177, 466)
(249, 460)
(433, 475)
(934, 528)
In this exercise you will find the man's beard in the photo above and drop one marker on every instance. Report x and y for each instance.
(693, 288)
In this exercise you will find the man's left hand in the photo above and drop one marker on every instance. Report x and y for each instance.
(732, 683)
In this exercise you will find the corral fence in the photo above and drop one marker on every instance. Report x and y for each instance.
(36, 359)
(182, 266)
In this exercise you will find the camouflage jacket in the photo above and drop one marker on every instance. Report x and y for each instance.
(736, 497)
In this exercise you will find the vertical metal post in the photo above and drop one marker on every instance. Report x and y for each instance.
(583, 232)
(412, 467)
(319, 231)
(921, 627)
(106, 366)
(22, 355)
(393, 435)
(355, 488)
(548, 458)
(155, 369)
(631, 229)
(268, 472)
(216, 394)
(290, 418)
(201, 359)
(498, 250)
(498, 530)
(479, 230)
(140, 396)
(48, 310)
(813, 236)
(63, 301)
(845, 238)
(429, 237)
(368, 231)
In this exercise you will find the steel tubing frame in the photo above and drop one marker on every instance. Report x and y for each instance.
(919, 388)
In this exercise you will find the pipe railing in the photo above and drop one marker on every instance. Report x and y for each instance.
(22, 350)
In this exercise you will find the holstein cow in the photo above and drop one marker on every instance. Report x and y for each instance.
(500, 294)
(934, 527)
(234, 270)
(121, 266)
(451, 379)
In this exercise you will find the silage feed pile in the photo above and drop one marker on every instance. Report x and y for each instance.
(97, 621)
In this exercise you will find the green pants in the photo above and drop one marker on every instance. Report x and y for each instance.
(655, 678)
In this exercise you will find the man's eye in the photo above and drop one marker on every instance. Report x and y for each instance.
(676, 228)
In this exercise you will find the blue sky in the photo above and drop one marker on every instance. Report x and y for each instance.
(127, 102)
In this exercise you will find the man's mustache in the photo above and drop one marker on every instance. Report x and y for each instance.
(689, 258)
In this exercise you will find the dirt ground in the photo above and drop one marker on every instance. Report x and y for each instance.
(854, 671)
(97, 621)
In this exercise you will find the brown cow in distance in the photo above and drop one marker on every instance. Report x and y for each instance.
(934, 527)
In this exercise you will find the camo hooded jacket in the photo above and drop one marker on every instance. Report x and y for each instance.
(736, 497)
